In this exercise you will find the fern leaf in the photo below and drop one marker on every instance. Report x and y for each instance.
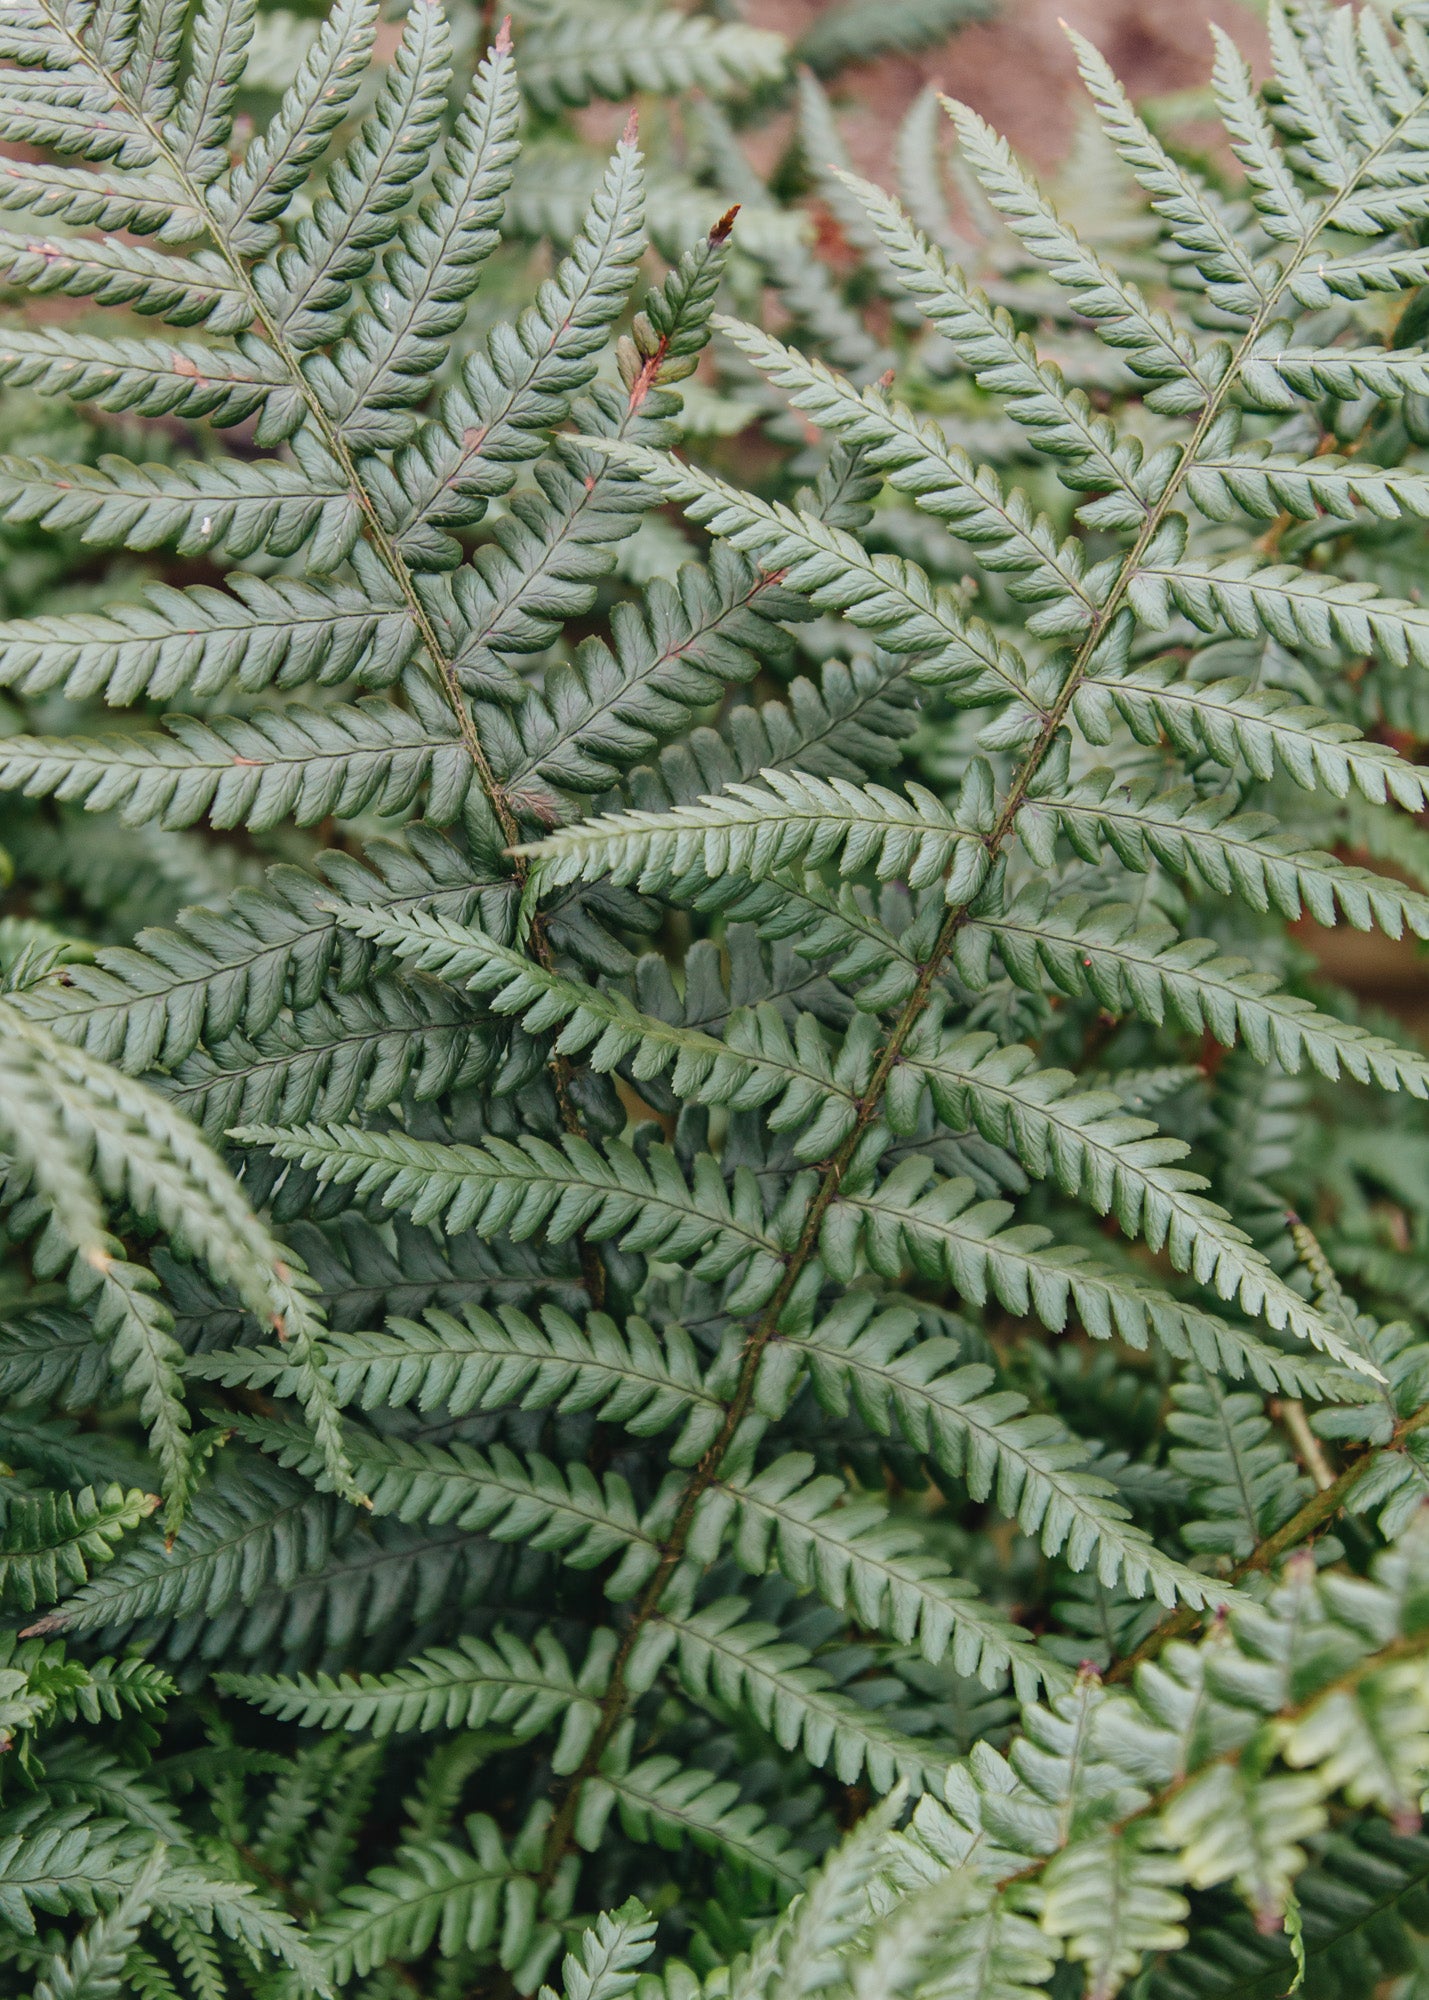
(309, 285)
(536, 1185)
(146, 1358)
(1229, 853)
(147, 204)
(199, 130)
(726, 1659)
(65, 1865)
(252, 1530)
(187, 291)
(1197, 217)
(1153, 345)
(859, 1558)
(755, 1062)
(491, 1360)
(1059, 419)
(756, 830)
(1148, 969)
(1268, 729)
(228, 505)
(268, 632)
(857, 30)
(1121, 1165)
(241, 967)
(433, 1892)
(667, 1802)
(93, 1967)
(525, 379)
(948, 1233)
(1240, 1473)
(50, 1541)
(276, 161)
(603, 1965)
(613, 703)
(506, 1496)
(987, 1436)
(429, 271)
(1112, 1901)
(372, 756)
(917, 459)
(358, 1051)
(156, 378)
(603, 51)
(1296, 606)
(505, 1685)
(1352, 371)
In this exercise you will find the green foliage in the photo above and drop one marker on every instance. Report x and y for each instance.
(686, 1236)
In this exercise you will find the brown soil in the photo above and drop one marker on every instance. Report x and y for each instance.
(1017, 69)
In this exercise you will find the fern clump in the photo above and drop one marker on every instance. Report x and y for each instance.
(703, 1298)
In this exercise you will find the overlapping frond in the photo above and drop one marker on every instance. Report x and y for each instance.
(803, 1143)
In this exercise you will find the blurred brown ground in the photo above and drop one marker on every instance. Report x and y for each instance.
(1017, 69)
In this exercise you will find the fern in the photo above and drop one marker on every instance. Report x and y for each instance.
(547, 1338)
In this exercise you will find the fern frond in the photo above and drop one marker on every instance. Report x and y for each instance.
(1028, 1463)
(253, 1530)
(948, 1233)
(663, 1801)
(65, 1865)
(50, 1541)
(603, 1965)
(755, 1061)
(156, 378)
(856, 30)
(1058, 418)
(259, 632)
(756, 830)
(917, 458)
(534, 1185)
(1130, 966)
(220, 971)
(1267, 729)
(369, 756)
(213, 506)
(860, 1558)
(93, 1967)
(830, 567)
(430, 270)
(726, 1659)
(276, 162)
(518, 1689)
(592, 719)
(626, 1373)
(1298, 607)
(1154, 347)
(504, 1495)
(1224, 851)
(1240, 1473)
(1120, 1164)
(1201, 226)
(433, 1892)
(187, 291)
(606, 51)
(306, 290)
(357, 1051)
(524, 381)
